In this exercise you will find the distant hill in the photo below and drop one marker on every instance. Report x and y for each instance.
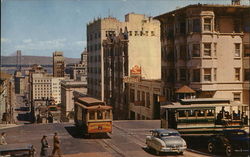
(35, 60)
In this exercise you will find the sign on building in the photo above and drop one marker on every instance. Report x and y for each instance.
(135, 75)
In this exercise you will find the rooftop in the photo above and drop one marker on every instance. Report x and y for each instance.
(185, 89)
(219, 6)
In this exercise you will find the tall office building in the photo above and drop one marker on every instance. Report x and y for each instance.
(207, 48)
(143, 40)
(58, 64)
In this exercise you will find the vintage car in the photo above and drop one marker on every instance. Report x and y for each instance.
(229, 142)
(166, 140)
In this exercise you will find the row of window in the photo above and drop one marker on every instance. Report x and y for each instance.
(42, 85)
(92, 59)
(92, 36)
(94, 70)
(194, 25)
(93, 81)
(37, 88)
(142, 98)
(209, 50)
(183, 75)
(95, 47)
(40, 81)
(141, 33)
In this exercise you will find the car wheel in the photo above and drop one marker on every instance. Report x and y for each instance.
(211, 147)
(228, 150)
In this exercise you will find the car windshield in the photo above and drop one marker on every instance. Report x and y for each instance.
(170, 134)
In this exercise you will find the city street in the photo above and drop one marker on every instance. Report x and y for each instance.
(127, 139)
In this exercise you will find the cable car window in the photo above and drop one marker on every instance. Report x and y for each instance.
(107, 114)
(99, 115)
(182, 113)
(91, 115)
(191, 113)
(201, 113)
(210, 112)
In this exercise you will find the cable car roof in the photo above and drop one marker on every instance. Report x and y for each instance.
(96, 107)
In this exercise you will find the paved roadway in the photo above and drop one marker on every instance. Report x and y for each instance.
(127, 139)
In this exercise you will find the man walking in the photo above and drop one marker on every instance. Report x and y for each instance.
(45, 146)
(2, 139)
(56, 148)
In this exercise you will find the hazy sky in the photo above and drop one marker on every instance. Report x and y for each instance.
(40, 27)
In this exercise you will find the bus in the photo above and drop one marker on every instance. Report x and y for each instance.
(203, 118)
(92, 115)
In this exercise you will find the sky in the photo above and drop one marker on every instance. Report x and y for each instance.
(40, 27)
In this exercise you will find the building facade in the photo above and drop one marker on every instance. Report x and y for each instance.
(96, 32)
(46, 87)
(6, 98)
(20, 83)
(67, 97)
(207, 48)
(58, 64)
(78, 71)
(144, 99)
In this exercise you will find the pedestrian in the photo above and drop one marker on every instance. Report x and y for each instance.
(2, 139)
(56, 148)
(45, 146)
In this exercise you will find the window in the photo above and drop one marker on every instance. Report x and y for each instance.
(215, 74)
(152, 33)
(237, 50)
(183, 27)
(91, 115)
(207, 74)
(196, 50)
(207, 49)
(237, 74)
(143, 98)
(148, 100)
(183, 52)
(138, 95)
(182, 113)
(236, 96)
(130, 33)
(99, 115)
(196, 75)
(132, 95)
(136, 33)
(107, 114)
(246, 50)
(247, 74)
(146, 33)
(207, 24)
(191, 113)
(183, 75)
(215, 49)
(201, 113)
(196, 25)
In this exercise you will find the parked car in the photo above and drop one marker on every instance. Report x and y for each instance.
(229, 141)
(166, 140)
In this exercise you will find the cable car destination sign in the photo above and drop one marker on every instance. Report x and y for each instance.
(135, 75)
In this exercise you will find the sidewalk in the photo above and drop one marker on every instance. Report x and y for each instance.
(6, 126)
